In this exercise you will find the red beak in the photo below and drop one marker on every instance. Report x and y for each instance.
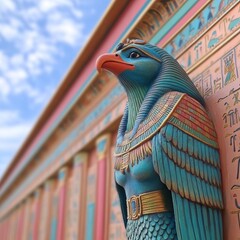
(113, 63)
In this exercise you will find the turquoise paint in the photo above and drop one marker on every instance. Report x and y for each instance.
(107, 119)
(90, 221)
(53, 233)
(61, 175)
(101, 145)
(170, 24)
(206, 16)
(234, 23)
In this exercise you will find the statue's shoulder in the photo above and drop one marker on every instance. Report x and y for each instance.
(177, 109)
(192, 118)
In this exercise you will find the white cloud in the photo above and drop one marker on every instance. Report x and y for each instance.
(4, 161)
(4, 61)
(13, 130)
(32, 15)
(33, 33)
(4, 88)
(8, 5)
(16, 76)
(8, 33)
(7, 116)
(16, 60)
(46, 5)
(64, 30)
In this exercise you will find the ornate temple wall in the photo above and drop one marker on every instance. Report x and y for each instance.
(61, 184)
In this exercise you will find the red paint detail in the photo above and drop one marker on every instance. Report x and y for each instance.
(61, 213)
(191, 13)
(100, 205)
(119, 27)
(193, 115)
(113, 63)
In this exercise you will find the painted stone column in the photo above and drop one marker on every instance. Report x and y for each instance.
(91, 195)
(3, 228)
(20, 222)
(116, 226)
(7, 227)
(13, 225)
(76, 198)
(45, 218)
(54, 214)
(58, 206)
(62, 178)
(16, 220)
(32, 215)
(27, 214)
(103, 186)
(36, 213)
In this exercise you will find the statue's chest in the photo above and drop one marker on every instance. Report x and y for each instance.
(136, 165)
(143, 171)
(133, 158)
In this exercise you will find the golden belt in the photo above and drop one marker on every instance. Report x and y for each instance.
(148, 203)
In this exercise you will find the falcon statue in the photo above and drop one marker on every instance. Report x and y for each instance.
(167, 164)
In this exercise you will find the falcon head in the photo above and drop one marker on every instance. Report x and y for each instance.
(132, 62)
(138, 64)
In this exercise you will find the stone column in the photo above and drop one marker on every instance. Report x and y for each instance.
(62, 178)
(36, 212)
(27, 216)
(77, 198)
(45, 218)
(21, 220)
(12, 225)
(91, 195)
(103, 186)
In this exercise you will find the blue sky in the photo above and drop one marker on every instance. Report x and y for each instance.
(39, 40)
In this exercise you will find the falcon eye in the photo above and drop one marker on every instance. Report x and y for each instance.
(134, 55)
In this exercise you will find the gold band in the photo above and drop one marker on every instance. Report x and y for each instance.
(148, 203)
